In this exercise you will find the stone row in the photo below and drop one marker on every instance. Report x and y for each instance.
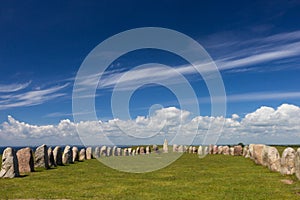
(24, 160)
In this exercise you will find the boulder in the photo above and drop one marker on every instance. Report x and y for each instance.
(41, 157)
(51, 157)
(238, 150)
(75, 156)
(9, 167)
(67, 155)
(287, 162)
(57, 154)
(89, 152)
(82, 156)
(25, 160)
(258, 153)
(165, 146)
(297, 163)
(273, 161)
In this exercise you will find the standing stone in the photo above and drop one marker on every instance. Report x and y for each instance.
(133, 152)
(190, 149)
(142, 150)
(155, 148)
(41, 157)
(51, 157)
(206, 150)
(211, 149)
(287, 161)
(129, 151)
(57, 154)
(108, 151)
(119, 151)
(75, 156)
(246, 152)
(148, 151)
(215, 149)
(82, 156)
(297, 163)
(265, 157)
(25, 160)
(175, 148)
(194, 150)
(137, 150)
(231, 151)
(67, 155)
(9, 168)
(220, 150)
(114, 151)
(89, 153)
(226, 150)
(273, 161)
(258, 153)
(125, 152)
(165, 146)
(251, 151)
(103, 151)
(238, 150)
(200, 151)
(97, 152)
(180, 149)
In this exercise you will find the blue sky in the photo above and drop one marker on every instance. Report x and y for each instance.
(255, 45)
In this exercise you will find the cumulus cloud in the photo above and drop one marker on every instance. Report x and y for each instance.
(265, 125)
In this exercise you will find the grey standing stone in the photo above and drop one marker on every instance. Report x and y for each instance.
(226, 150)
(75, 156)
(125, 152)
(108, 151)
(251, 151)
(89, 153)
(273, 162)
(238, 150)
(215, 149)
(67, 155)
(97, 152)
(82, 156)
(180, 149)
(206, 150)
(114, 151)
(142, 151)
(148, 151)
(200, 151)
(51, 157)
(175, 148)
(288, 161)
(220, 149)
(119, 151)
(103, 151)
(258, 153)
(41, 157)
(57, 154)
(195, 150)
(137, 151)
(9, 167)
(165, 146)
(133, 152)
(155, 148)
(211, 149)
(231, 151)
(246, 152)
(25, 160)
(190, 149)
(297, 163)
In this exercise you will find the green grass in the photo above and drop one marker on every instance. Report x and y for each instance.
(213, 177)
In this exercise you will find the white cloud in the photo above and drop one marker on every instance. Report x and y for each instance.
(30, 98)
(14, 87)
(265, 125)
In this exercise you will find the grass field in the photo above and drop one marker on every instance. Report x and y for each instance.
(213, 177)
